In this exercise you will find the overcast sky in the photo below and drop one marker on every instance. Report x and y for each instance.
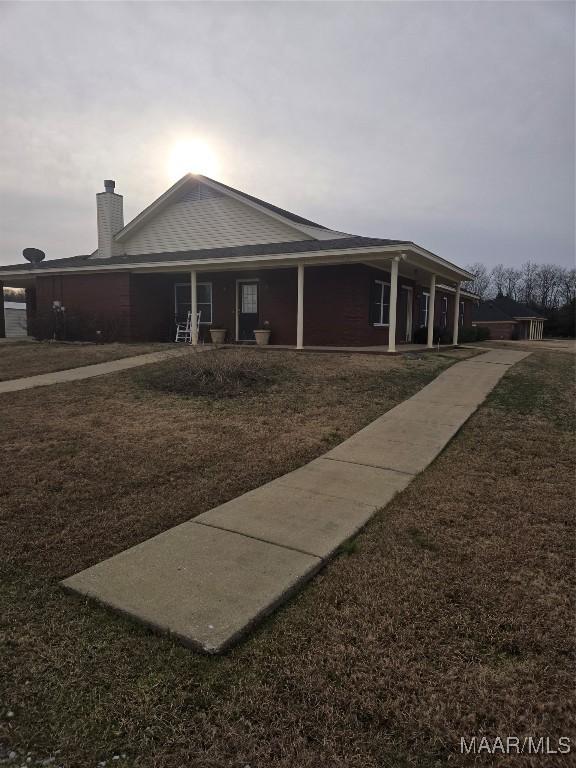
(450, 124)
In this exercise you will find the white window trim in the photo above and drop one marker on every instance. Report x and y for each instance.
(461, 315)
(444, 312)
(382, 305)
(187, 285)
(427, 310)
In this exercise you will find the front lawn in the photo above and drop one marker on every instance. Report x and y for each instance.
(450, 615)
(28, 358)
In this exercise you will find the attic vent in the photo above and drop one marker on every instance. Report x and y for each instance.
(200, 192)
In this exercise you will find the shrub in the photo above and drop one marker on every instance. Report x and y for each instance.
(482, 334)
(223, 373)
(421, 335)
(441, 335)
(467, 335)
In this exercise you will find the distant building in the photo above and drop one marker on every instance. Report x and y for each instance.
(508, 319)
(15, 319)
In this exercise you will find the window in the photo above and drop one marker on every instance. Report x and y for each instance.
(423, 309)
(380, 304)
(461, 315)
(182, 302)
(444, 312)
(204, 302)
(249, 298)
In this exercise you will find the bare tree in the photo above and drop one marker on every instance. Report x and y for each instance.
(528, 281)
(505, 280)
(481, 281)
(512, 278)
(548, 284)
(498, 278)
(567, 291)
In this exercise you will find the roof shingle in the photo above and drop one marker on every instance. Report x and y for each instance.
(262, 249)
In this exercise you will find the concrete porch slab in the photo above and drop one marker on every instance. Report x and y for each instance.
(202, 585)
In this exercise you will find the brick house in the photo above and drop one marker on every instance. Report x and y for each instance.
(240, 262)
(506, 318)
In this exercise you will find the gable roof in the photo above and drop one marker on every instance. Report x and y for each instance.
(308, 229)
(280, 211)
(503, 308)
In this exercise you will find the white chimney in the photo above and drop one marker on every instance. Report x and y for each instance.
(110, 212)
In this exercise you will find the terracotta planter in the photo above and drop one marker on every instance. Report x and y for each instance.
(262, 337)
(217, 335)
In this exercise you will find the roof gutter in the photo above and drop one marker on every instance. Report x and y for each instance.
(314, 256)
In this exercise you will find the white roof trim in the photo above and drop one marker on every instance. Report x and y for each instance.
(207, 264)
(176, 188)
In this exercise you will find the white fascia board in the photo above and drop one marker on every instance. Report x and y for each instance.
(451, 289)
(462, 273)
(334, 256)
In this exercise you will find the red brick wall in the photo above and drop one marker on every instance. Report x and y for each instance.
(93, 303)
(337, 306)
(140, 307)
(152, 306)
(503, 330)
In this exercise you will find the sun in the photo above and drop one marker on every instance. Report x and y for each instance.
(192, 156)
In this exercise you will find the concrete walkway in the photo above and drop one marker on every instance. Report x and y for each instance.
(207, 581)
(89, 371)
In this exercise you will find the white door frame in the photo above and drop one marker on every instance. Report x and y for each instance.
(409, 302)
(237, 312)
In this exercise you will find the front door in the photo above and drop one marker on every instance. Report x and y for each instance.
(247, 310)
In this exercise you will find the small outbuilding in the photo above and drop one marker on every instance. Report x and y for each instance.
(506, 318)
(15, 319)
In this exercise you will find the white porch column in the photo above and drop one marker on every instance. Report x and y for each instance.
(393, 305)
(456, 315)
(431, 303)
(193, 308)
(300, 309)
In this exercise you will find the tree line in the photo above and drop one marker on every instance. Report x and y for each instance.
(548, 288)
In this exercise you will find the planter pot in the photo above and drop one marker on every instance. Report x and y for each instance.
(217, 335)
(262, 337)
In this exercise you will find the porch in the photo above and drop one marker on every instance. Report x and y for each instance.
(376, 301)
(336, 307)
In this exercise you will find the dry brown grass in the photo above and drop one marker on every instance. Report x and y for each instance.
(102, 464)
(26, 358)
(451, 616)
